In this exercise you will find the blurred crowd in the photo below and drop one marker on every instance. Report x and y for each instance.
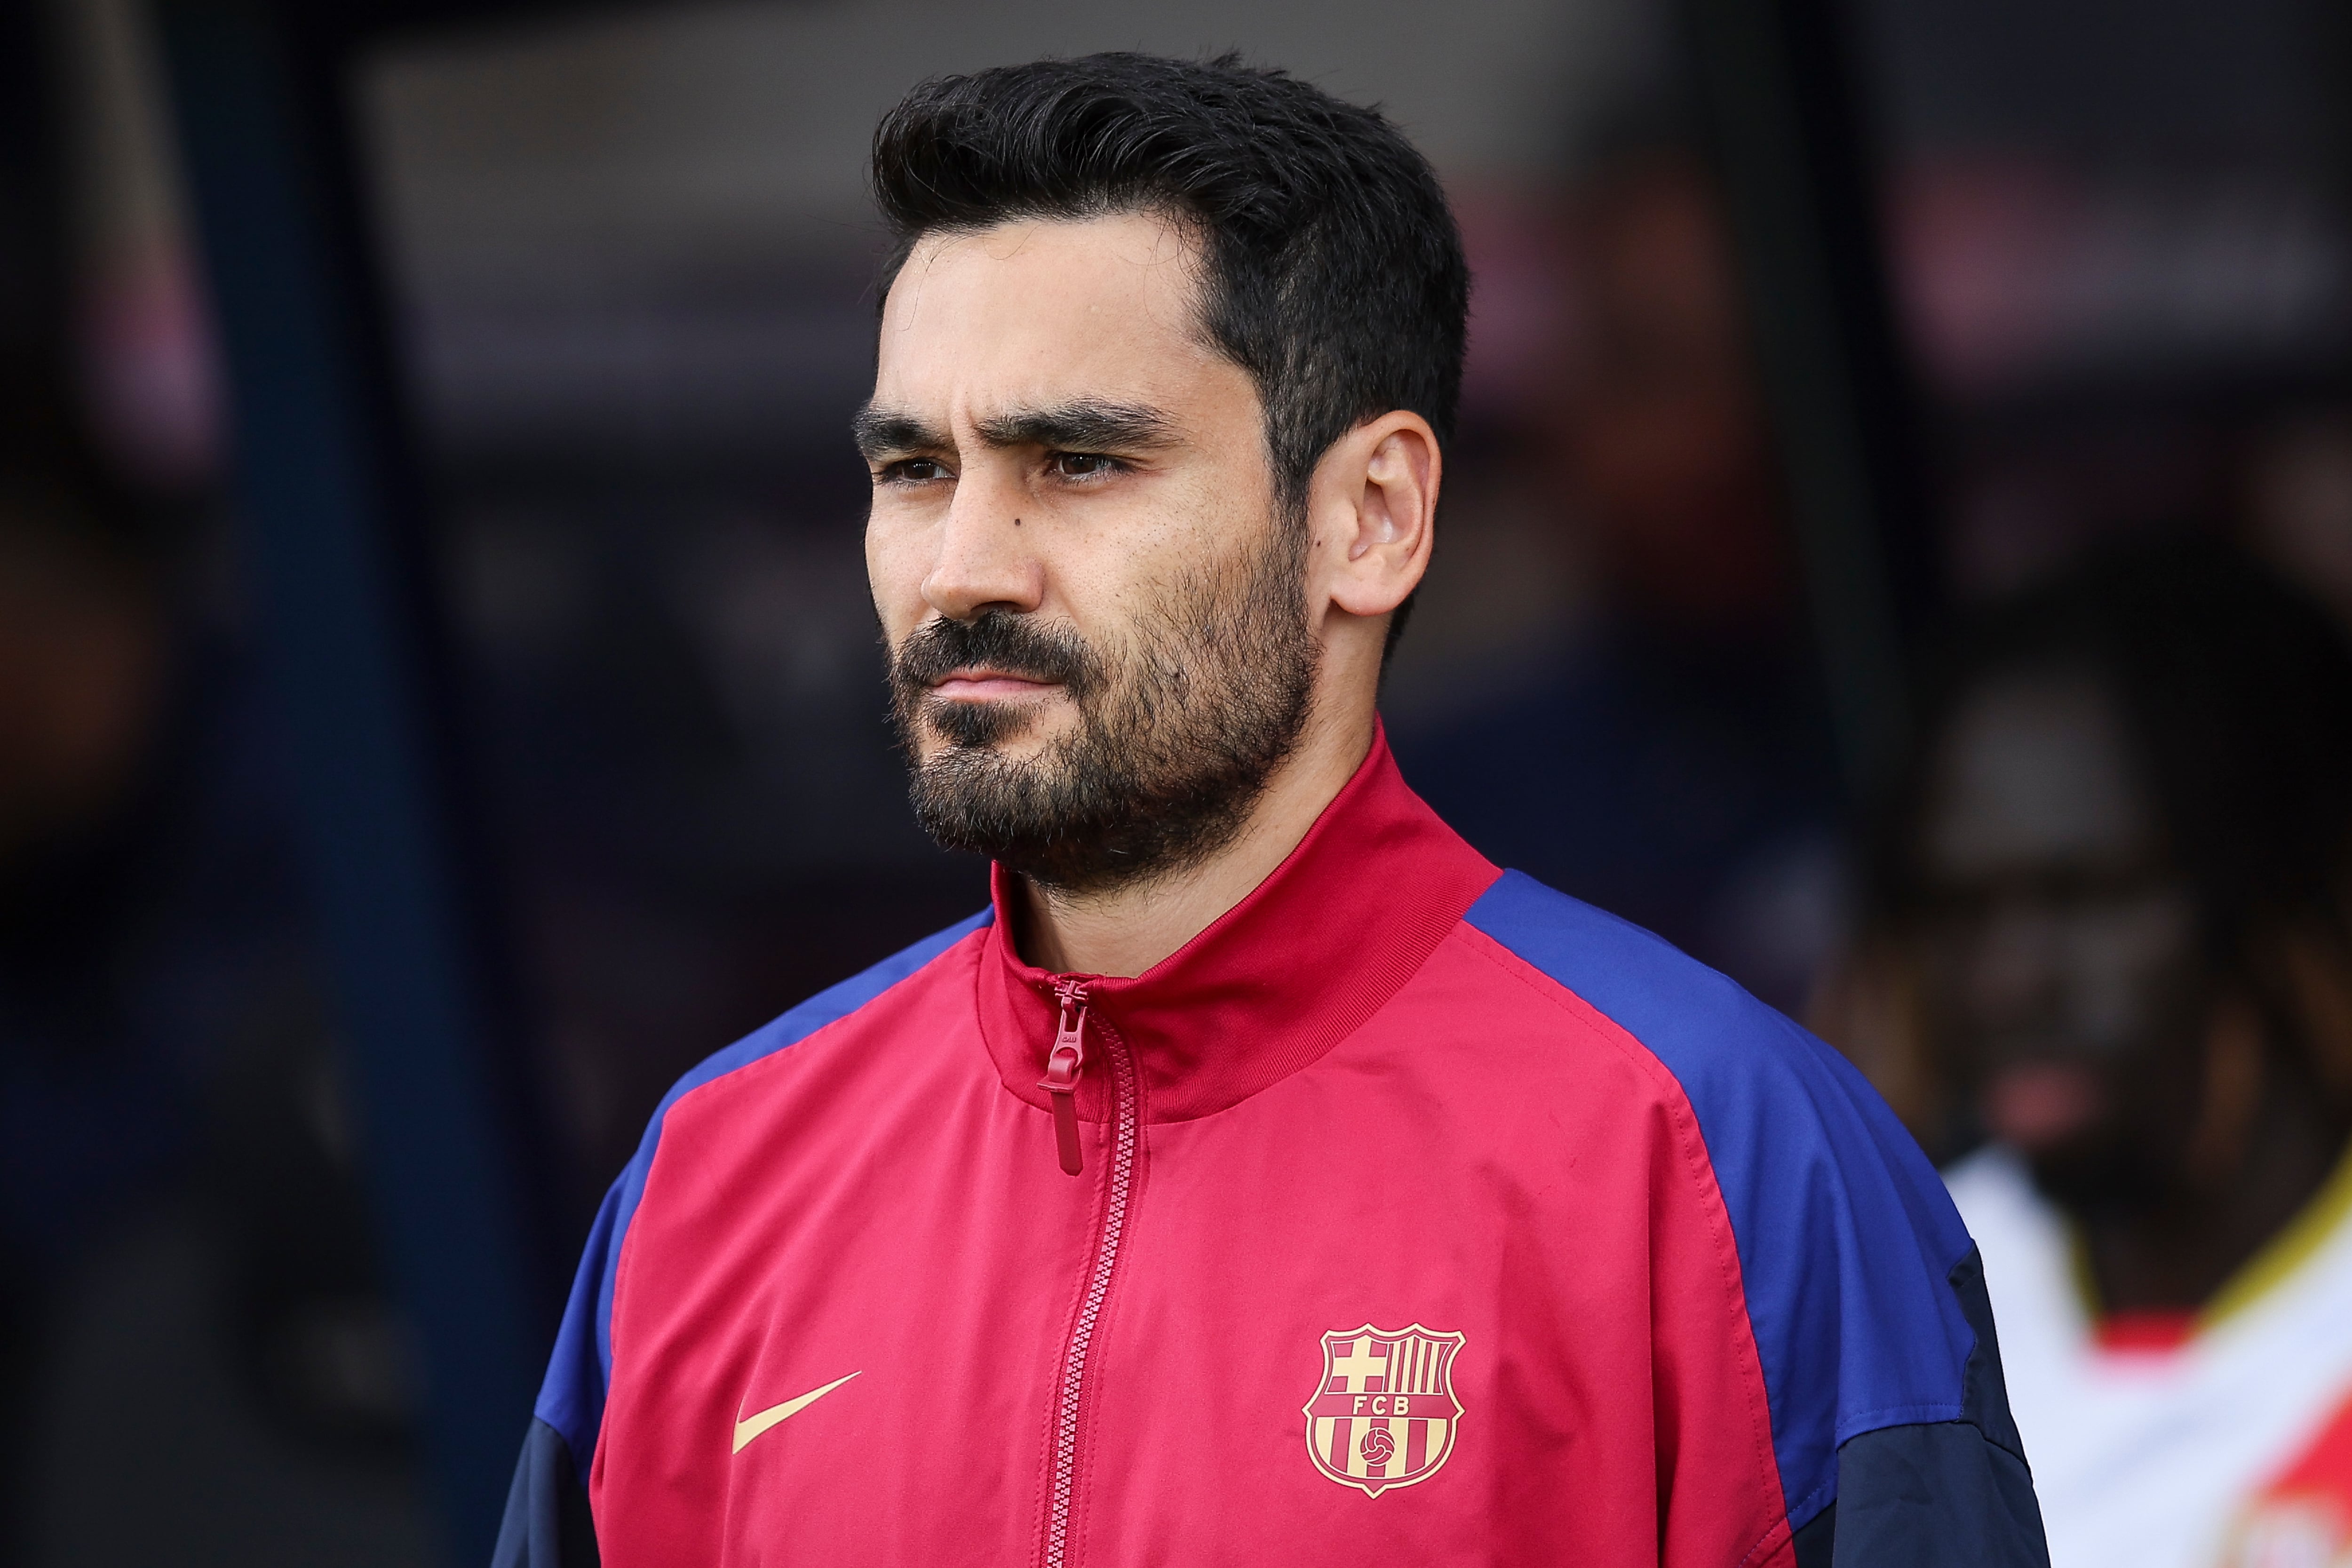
(182, 1225)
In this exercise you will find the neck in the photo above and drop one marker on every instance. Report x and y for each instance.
(1123, 930)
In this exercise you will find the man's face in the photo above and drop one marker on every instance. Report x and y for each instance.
(1097, 617)
(2064, 980)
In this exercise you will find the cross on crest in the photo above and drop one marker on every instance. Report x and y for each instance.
(1385, 1413)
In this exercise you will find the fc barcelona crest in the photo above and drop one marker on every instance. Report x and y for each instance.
(1385, 1413)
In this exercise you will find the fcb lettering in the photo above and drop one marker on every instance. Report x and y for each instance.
(1385, 1413)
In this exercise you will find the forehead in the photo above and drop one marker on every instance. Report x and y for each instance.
(2035, 769)
(1032, 312)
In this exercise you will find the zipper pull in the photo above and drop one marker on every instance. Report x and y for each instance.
(1067, 1060)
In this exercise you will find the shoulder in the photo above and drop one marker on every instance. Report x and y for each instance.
(855, 994)
(1846, 1239)
(1772, 1099)
(1701, 1025)
(590, 1317)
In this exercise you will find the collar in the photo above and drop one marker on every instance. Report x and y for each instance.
(1278, 980)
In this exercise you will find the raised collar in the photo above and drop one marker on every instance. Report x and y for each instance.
(1279, 979)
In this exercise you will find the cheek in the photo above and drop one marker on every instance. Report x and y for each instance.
(1118, 567)
(895, 568)
(2131, 969)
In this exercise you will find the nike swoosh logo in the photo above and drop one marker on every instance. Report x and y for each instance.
(745, 1430)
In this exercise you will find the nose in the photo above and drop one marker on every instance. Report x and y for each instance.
(985, 560)
(2013, 974)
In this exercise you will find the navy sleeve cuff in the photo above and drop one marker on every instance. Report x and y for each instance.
(547, 1522)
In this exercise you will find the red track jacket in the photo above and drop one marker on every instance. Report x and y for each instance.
(1413, 1213)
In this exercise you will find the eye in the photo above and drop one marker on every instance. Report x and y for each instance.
(910, 471)
(1081, 465)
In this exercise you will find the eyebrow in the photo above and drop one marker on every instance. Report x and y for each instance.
(883, 432)
(1083, 425)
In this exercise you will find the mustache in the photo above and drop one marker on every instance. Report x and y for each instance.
(996, 640)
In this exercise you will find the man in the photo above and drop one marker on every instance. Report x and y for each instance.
(2116, 885)
(1265, 1178)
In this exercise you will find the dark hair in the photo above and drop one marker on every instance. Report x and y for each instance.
(1335, 274)
(2235, 691)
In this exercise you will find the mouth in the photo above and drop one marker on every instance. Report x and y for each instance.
(2039, 1106)
(986, 683)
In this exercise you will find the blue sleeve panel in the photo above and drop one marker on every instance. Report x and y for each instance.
(1950, 1494)
(1856, 1263)
(572, 1400)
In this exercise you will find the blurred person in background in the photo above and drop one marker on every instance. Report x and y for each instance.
(2111, 940)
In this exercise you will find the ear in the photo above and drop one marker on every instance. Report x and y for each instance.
(1370, 506)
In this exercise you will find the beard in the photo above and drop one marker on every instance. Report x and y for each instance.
(1183, 716)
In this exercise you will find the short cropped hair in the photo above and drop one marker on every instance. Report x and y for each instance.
(1334, 271)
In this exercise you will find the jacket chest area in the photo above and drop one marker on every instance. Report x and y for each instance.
(1228, 1350)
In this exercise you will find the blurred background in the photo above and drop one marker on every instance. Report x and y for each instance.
(440, 703)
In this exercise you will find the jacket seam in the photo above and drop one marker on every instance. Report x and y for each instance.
(1814, 1502)
(732, 1077)
(1691, 1141)
(1868, 1421)
(1769, 1541)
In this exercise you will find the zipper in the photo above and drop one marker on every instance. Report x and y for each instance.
(1069, 1035)
(1063, 1065)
